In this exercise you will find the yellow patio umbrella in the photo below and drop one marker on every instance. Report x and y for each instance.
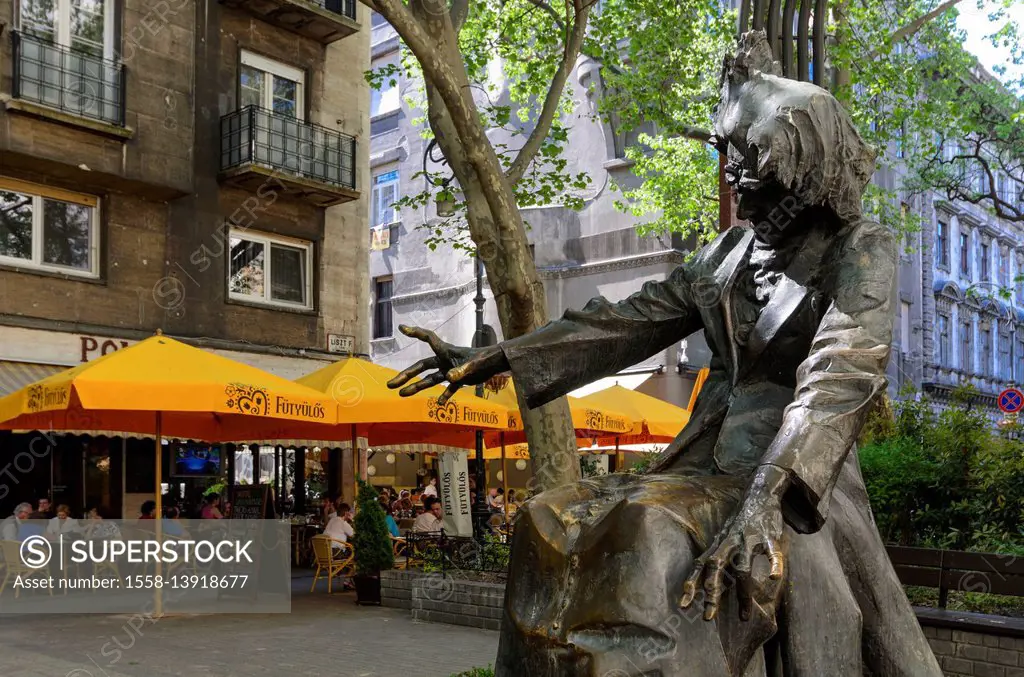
(588, 420)
(161, 386)
(661, 420)
(372, 410)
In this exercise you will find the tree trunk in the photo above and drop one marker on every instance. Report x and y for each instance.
(549, 429)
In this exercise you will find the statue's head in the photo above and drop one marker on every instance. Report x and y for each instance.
(787, 141)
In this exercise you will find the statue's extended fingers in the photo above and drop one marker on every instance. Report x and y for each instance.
(448, 393)
(777, 559)
(713, 585)
(412, 371)
(690, 586)
(426, 382)
(423, 335)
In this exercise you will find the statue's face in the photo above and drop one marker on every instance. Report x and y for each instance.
(744, 130)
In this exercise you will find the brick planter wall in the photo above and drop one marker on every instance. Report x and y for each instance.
(975, 645)
(432, 597)
(966, 645)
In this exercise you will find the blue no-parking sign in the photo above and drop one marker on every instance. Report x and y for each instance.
(1011, 400)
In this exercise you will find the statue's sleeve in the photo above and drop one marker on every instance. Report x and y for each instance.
(604, 338)
(840, 378)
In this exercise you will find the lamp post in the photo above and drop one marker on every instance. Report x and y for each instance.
(481, 338)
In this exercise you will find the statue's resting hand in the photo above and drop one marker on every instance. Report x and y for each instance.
(755, 529)
(459, 365)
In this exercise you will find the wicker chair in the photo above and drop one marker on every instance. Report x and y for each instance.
(330, 562)
(400, 547)
(14, 567)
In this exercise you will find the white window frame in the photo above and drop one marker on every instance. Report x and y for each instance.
(63, 33)
(267, 241)
(277, 69)
(375, 197)
(378, 94)
(39, 193)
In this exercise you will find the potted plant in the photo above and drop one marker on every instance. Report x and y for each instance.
(372, 543)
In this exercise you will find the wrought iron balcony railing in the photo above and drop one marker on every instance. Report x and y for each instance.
(343, 7)
(67, 80)
(258, 136)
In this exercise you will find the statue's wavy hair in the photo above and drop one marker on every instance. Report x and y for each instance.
(808, 143)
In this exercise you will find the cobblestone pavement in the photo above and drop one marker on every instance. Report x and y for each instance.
(322, 637)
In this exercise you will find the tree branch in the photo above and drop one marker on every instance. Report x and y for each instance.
(917, 24)
(553, 98)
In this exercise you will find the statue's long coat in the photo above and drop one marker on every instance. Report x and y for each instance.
(598, 567)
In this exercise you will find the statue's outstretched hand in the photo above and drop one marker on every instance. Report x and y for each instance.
(755, 529)
(459, 365)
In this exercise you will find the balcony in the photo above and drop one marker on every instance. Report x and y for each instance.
(70, 86)
(325, 21)
(311, 162)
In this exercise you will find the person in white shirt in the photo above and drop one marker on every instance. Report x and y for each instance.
(430, 521)
(339, 527)
(12, 525)
(62, 523)
(431, 488)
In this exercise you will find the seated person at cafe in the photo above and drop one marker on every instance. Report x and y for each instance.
(12, 525)
(172, 525)
(97, 525)
(62, 523)
(340, 526)
(211, 508)
(45, 507)
(430, 521)
(147, 510)
(389, 517)
(33, 527)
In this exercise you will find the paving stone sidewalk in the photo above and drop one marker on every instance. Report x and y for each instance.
(322, 637)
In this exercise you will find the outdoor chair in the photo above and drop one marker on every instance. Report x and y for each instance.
(400, 547)
(331, 562)
(14, 567)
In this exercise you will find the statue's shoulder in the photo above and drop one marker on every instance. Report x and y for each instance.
(711, 254)
(866, 239)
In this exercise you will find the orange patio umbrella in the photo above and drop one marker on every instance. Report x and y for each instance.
(661, 421)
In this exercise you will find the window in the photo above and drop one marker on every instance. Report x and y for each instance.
(1004, 356)
(385, 100)
(904, 327)
(48, 229)
(965, 255)
(944, 345)
(942, 243)
(270, 269)
(965, 346)
(382, 313)
(1019, 357)
(900, 135)
(270, 85)
(984, 261)
(382, 201)
(83, 26)
(986, 351)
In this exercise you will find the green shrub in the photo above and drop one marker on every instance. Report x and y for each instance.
(476, 672)
(945, 480)
(372, 540)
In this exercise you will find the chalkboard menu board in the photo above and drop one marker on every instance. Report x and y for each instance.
(253, 502)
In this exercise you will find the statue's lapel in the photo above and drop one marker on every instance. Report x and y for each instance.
(725, 276)
(787, 296)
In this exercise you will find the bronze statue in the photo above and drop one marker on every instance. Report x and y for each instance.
(757, 511)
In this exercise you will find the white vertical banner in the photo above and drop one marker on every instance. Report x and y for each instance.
(458, 520)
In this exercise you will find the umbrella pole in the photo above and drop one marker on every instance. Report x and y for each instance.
(158, 601)
(620, 458)
(504, 477)
(355, 464)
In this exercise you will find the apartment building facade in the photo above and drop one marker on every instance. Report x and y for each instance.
(193, 166)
